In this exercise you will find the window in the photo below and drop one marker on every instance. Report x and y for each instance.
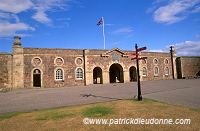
(79, 74)
(36, 71)
(155, 61)
(144, 71)
(166, 61)
(59, 74)
(144, 61)
(156, 71)
(166, 71)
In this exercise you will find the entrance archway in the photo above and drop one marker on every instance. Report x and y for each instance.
(133, 74)
(116, 73)
(36, 78)
(97, 75)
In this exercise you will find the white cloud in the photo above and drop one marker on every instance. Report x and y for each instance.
(197, 36)
(42, 7)
(196, 10)
(116, 43)
(8, 16)
(187, 48)
(122, 31)
(15, 6)
(175, 11)
(109, 24)
(40, 16)
(9, 9)
(159, 50)
(9, 29)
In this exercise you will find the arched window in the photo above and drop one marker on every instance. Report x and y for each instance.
(156, 71)
(79, 74)
(166, 71)
(59, 74)
(144, 71)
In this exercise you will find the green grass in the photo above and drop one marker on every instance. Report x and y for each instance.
(97, 111)
(71, 118)
(52, 114)
(6, 116)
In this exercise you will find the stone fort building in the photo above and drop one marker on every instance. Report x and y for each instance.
(45, 67)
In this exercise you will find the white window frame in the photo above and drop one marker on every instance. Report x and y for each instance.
(167, 71)
(144, 71)
(156, 73)
(79, 74)
(59, 74)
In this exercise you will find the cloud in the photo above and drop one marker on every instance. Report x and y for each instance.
(9, 29)
(15, 6)
(10, 24)
(197, 36)
(9, 10)
(109, 24)
(187, 48)
(175, 11)
(6, 16)
(116, 43)
(122, 31)
(42, 7)
(196, 10)
(41, 17)
(159, 50)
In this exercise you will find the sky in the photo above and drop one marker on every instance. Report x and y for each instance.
(71, 24)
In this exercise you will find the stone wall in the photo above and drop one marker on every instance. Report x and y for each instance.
(104, 60)
(48, 61)
(188, 67)
(163, 61)
(5, 70)
(18, 66)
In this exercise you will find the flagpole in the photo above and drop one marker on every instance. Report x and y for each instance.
(104, 38)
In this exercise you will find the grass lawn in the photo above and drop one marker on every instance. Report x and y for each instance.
(71, 118)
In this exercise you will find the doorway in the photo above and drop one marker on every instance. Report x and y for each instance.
(97, 75)
(36, 78)
(133, 74)
(116, 73)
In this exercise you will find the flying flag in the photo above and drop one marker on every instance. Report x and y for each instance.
(104, 38)
(100, 22)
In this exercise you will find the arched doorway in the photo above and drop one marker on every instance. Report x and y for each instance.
(97, 75)
(36, 78)
(133, 74)
(116, 73)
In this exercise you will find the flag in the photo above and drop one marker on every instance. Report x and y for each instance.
(100, 22)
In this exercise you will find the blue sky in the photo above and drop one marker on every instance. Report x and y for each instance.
(71, 24)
